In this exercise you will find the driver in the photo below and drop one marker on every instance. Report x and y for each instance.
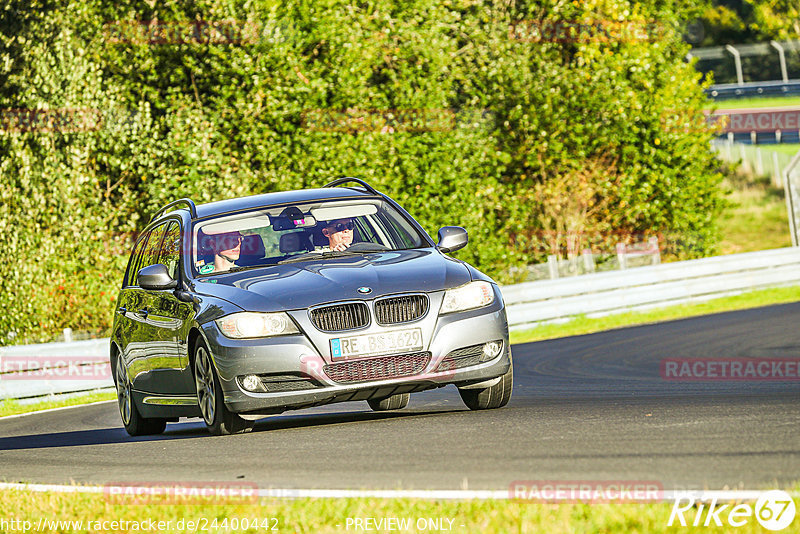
(339, 234)
(226, 248)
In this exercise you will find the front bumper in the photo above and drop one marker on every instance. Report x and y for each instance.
(308, 354)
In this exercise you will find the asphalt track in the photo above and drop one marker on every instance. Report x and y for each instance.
(591, 407)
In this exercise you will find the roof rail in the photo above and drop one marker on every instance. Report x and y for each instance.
(346, 179)
(189, 202)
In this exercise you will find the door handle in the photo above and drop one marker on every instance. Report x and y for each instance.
(123, 310)
(143, 312)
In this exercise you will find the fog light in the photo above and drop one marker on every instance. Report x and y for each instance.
(491, 350)
(251, 383)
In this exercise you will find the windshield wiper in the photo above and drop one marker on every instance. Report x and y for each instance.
(319, 255)
(238, 268)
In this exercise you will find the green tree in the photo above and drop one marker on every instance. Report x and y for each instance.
(445, 106)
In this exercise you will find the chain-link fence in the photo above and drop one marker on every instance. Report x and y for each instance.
(625, 256)
(792, 185)
(755, 159)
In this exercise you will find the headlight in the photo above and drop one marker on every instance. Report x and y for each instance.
(467, 297)
(251, 324)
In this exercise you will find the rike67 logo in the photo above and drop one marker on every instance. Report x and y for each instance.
(774, 510)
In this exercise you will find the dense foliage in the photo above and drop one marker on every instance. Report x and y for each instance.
(746, 21)
(537, 140)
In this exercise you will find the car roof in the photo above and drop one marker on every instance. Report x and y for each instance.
(211, 209)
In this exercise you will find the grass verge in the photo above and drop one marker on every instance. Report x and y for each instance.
(785, 148)
(755, 218)
(335, 515)
(14, 407)
(757, 102)
(586, 325)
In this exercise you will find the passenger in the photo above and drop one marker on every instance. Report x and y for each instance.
(339, 234)
(226, 248)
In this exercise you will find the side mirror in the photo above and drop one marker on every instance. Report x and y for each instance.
(156, 277)
(452, 238)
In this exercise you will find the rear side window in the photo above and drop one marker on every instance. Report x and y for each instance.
(170, 249)
(153, 247)
(149, 246)
(136, 255)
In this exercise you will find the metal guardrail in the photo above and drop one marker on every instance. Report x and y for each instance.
(594, 295)
(757, 69)
(528, 305)
(54, 368)
(732, 91)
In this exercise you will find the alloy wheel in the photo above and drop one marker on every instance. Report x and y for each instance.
(123, 392)
(204, 379)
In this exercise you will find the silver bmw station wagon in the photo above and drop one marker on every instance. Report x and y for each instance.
(238, 309)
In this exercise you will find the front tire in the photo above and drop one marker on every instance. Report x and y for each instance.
(495, 396)
(395, 402)
(134, 423)
(219, 420)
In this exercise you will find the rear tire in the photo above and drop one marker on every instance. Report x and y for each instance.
(219, 420)
(495, 396)
(134, 423)
(395, 402)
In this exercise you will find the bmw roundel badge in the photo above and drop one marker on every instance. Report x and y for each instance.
(364, 290)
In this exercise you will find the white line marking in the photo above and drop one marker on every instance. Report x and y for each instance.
(288, 493)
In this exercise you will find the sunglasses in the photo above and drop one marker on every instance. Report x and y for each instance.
(230, 241)
(338, 227)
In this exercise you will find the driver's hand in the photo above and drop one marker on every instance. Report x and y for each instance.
(340, 247)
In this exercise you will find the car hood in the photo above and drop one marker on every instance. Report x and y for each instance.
(300, 285)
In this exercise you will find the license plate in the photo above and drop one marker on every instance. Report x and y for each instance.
(376, 344)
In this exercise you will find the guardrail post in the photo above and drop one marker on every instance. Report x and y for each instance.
(776, 170)
(737, 59)
(743, 158)
(653, 242)
(784, 71)
(572, 266)
(623, 261)
(730, 146)
(552, 264)
(588, 260)
(68, 335)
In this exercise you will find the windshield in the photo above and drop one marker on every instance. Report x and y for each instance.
(301, 232)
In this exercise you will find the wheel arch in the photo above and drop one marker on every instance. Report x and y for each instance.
(114, 353)
(196, 333)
